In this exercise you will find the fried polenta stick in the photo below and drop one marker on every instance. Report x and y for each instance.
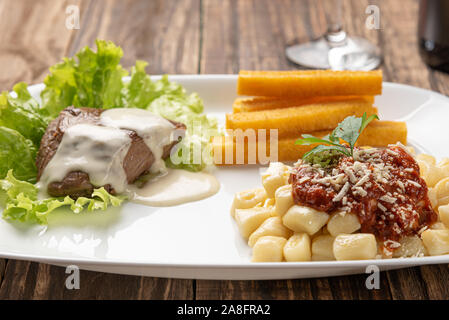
(227, 151)
(309, 83)
(267, 103)
(290, 121)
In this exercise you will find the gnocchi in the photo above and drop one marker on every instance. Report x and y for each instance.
(436, 241)
(276, 176)
(322, 248)
(248, 199)
(360, 246)
(271, 227)
(441, 190)
(340, 223)
(297, 248)
(269, 249)
(411, 246)
(248, 220)
(443, 212)
(283, 200)
(305, 219)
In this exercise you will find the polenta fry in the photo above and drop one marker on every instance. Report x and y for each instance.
(294, 120)
(377, 134)
(309, 83)
(267, 103)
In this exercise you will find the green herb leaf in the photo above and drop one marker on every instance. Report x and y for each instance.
(308, 139)
(348, 130)
(367, 120)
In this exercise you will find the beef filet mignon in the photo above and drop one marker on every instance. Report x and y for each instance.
(137, 161)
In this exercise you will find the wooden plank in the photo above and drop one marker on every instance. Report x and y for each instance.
(345, 287)
(436, 279)
(398, 40)
(28, 280)
(403, 64)
(270, 290)
(255, 38)
(2, 270)
(36, 38)
(407, 284)
(252, 34)
(167, 35)
(164, 33)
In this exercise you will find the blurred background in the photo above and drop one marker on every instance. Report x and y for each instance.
(201, 36)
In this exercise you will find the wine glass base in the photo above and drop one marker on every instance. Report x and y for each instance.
(353, 54)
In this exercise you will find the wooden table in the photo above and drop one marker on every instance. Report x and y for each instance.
(205, 36)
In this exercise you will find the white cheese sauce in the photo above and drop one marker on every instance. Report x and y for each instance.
(98, 151)
(174, 188)
(153, 129)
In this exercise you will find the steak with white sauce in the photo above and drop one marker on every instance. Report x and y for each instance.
(137, 161)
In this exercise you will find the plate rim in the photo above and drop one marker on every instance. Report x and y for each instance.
(83, 261)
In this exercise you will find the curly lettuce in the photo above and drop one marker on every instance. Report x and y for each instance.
(20, 112)
(20, 201)
(92, 79)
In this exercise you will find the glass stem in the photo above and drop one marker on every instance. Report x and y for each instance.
(335, 34)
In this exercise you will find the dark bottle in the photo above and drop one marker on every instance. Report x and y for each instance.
(433, 33)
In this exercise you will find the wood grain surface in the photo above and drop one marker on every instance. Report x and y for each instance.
(206, 36)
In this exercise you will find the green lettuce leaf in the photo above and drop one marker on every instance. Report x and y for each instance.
(18, 153)
(21, 113)
(21, 203)
(92, 79)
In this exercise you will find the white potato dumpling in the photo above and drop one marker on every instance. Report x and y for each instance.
(271, 227)
(426, 158)
(430, 173)
(411, 150)
(343, 223)
(436, 241)
(441, 191)
(322, 248)
(443, 213)
(438, 226)
(443, 163)
(283, 200)
(359, 246)
(248, 220)
(411, 246)
(269, 249)
(305, 219)
(248, 199)
(274, 177)
(431, 193)
(298, 248)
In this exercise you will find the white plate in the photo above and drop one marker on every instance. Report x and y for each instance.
(200, 240)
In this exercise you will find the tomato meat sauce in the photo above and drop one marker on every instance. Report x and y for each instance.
(382, 186)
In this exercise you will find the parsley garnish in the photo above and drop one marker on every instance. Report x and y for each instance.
(330, 148)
